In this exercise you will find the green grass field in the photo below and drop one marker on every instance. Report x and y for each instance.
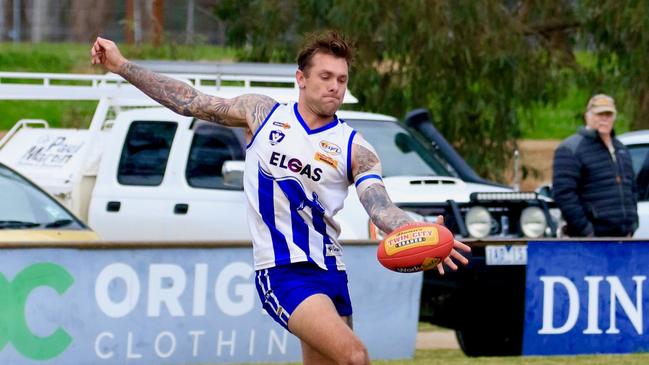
(456, 357)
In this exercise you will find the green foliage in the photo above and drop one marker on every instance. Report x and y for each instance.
(175, 51)
(489, 71)
(563, 118)
(65, 114)
(42, 57)
(473, 64)
(619, 31)
(75, 57)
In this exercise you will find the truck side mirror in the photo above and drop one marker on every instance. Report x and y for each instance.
(545, 190)
(233, 173)
(403, 142)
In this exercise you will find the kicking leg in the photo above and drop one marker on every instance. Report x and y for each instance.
(312, 356)
(325, 336)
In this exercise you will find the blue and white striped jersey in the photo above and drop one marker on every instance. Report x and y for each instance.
(295, 181)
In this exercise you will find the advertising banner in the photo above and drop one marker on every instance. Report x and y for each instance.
(586, 297)
(176, 306)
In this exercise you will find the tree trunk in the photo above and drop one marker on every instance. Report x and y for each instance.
(157, 18)
(2, 20)
(89, 19)
(38, 20)
(137, 21)
(133, 26)
(641, 112)
(189, 29)
(16, 26)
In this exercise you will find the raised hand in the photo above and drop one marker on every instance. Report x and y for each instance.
(105, 52)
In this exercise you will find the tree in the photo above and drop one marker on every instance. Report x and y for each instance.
(475, 65)
(89, 20)
(619, 33)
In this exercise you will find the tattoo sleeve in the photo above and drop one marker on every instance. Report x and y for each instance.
(243, 111)
(383, 213)
(371, 191)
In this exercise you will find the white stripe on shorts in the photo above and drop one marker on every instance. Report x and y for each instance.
(267, 290)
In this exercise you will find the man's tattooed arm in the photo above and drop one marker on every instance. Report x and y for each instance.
(366, 168)
(244, 111)
(384, 214)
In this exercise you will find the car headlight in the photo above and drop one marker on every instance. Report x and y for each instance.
(377, 234)
(533, 222)
(478, 222)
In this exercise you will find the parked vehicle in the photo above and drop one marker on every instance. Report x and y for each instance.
(638, 144)
(27, 213)
(180, 178)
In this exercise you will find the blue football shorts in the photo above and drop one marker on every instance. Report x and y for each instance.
(282, 288)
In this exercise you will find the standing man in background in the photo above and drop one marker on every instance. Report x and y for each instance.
(294, 190)
(593, 181)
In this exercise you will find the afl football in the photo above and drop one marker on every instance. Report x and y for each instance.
(415, 247)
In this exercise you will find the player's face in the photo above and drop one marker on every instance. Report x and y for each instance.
(602, 122)
(324, 84)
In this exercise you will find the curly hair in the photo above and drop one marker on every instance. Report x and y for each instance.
(328, 42)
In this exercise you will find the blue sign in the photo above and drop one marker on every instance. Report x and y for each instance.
(586, 297)
(176, 306)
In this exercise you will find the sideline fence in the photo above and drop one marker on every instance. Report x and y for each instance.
(174, 303)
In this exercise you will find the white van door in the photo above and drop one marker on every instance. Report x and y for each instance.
(131, 197)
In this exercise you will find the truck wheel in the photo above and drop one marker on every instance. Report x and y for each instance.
(481, 342)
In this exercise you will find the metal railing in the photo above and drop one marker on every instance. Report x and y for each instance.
(59, 86)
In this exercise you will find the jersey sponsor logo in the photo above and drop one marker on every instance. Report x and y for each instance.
(333, 250)
(276, 137)
(282, 124)
(326, 159)
(330, 148)
(296, 166)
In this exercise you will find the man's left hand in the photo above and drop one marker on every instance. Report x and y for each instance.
(455, 253)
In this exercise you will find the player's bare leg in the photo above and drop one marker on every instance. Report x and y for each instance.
(312, 356)
(325, 336)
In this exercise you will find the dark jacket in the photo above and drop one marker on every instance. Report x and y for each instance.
(596, 195)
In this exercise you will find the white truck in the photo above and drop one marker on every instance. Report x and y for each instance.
(638, 144)
(143, 173)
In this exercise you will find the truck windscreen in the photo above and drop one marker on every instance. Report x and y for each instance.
(401, 153)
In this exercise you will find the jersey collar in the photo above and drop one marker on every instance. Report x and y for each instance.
(308, 130)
